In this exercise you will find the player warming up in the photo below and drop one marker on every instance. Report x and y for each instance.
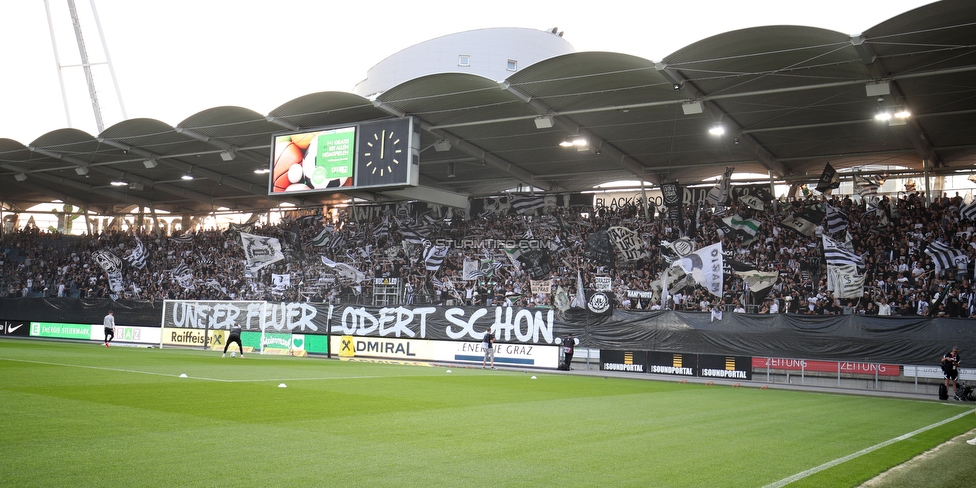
(235, 337)
(109, 323)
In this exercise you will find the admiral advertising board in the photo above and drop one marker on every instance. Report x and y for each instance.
(448, 351)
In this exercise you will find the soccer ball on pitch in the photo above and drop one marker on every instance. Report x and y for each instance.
(233, 354)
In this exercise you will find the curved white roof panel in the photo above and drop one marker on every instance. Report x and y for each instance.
(493, 53)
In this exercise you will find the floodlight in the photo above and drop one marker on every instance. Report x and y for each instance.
(692, 108)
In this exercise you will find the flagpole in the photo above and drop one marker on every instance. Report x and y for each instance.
(664, 291)
(644, 198)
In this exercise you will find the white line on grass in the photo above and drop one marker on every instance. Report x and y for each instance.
(835, 462)
(171, 375)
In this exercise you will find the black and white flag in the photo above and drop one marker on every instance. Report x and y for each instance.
(112, 265)
(536, 263)
(968, 212)
(944, 256)
(329, 238)
(434, 257)
(867, 187)
(845, 282)
(837, 219)
(137, 257)
(837, 254)
(719, 194)
(598, 248)
(629, 246)
(411, 234)
(829, 179)
(260, 251)
(522, 203)
(183, 275)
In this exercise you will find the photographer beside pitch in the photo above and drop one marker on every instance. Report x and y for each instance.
(488, 344)
(235, 337)
(569, 348)
(950, 369)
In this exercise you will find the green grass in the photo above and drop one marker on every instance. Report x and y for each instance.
(83, 415)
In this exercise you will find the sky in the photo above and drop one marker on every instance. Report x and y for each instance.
(174, 58)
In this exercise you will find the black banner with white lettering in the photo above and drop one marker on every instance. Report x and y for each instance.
(888, 339)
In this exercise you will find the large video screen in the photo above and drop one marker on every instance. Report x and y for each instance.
(375, 154)
(313, 160)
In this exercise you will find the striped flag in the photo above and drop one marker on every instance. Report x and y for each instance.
(411, 234)
(382, 230)
(183, 275)
(182, 239)
(328, 238)
(944, 256)
(471, 270)
(525, 203)
(867, 187)
(837, 254)
(137, 257)
(837, 219)
(435, 256)
(719, 194)
(968, 212)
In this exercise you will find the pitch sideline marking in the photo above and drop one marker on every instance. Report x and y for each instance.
(835, 462)
(171, 375)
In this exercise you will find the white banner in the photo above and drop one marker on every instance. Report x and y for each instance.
(705, 266)
(260, 251)
(541, 287)
(965, 374)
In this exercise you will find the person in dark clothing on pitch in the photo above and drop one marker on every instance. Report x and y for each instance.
(950, 369)
(569, 348)
(235, 337)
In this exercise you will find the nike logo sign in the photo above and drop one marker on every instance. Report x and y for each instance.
(10, 329)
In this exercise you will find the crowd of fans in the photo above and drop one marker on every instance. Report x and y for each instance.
(900, 278)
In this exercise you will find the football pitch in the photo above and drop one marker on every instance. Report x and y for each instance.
(76, 414)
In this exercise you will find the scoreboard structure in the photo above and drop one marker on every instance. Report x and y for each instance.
(381, 154)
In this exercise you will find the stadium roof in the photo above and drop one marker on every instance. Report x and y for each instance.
(790, 98)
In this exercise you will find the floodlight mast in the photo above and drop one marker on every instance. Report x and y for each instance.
(85, 63)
